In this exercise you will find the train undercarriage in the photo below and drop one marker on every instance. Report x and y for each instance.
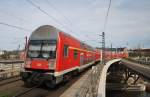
(49, 79)
(32, 78)
(38, 78)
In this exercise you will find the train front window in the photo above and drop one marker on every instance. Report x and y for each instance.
(42, 49)
(34, 49)
(49, 50)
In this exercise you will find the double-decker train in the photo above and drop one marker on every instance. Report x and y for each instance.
(53, 56)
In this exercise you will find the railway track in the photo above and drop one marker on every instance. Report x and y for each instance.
(17, 89)
(42, 91)
(25, 92)
(9, 80)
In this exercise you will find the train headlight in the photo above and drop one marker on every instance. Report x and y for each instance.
(51, 63)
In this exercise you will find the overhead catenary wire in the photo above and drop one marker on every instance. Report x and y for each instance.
(50, 16)
(14, 26)
(16, 17)
(44, 12)
(59, 11)
(106, 17)
(12, 15)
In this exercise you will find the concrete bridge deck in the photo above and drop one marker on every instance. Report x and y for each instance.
(143, 70)
(140, 69)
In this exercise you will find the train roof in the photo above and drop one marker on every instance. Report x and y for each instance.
(45, 32)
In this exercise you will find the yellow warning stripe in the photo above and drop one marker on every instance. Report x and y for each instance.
(70, 47)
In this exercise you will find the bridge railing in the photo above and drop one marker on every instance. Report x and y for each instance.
(139, 61)
(10, 69)
(90, 86)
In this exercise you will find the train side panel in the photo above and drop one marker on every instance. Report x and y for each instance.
(67, 60)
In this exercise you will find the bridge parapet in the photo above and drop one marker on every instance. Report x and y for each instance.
(144, 62)
(94, 84)
(90, 86)
(102, 82)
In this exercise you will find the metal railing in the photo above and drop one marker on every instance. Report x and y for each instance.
(10, 69)
(144, 62)
(90, 86)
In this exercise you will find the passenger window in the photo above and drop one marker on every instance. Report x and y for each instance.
(75, 54)
(65, 50)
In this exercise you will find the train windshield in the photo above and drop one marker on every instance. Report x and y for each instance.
(42, 49)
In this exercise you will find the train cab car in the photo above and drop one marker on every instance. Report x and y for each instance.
(52, 56)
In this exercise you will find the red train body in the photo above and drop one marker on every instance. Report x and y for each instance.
(56, 55)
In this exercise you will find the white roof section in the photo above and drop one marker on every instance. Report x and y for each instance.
(45, 32)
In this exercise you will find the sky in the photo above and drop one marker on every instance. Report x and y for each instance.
(128, 22)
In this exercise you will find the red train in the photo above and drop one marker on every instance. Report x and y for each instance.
(112, 53)
(54, 56)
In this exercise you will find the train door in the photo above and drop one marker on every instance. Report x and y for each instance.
(81, 59)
